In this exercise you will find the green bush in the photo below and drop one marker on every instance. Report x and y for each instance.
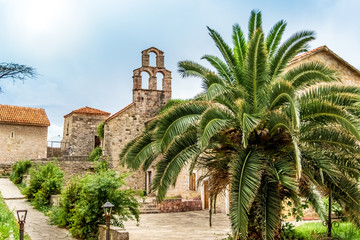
(95, 154)
(80, 203)
(19, 170)
(45, 181)
(100, 130)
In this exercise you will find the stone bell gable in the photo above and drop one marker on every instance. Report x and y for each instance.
(126, 124)
(154, 96)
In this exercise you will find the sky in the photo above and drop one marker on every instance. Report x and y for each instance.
(85, 50)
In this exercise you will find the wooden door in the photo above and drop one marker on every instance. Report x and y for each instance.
(206, 194)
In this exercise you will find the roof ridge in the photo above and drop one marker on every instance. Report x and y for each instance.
(88, 110)
(120, 111)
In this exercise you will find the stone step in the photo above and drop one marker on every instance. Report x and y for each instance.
(149, 211)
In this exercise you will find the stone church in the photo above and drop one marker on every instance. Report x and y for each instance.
(121, 127)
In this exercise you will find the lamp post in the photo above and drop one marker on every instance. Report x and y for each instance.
(21, 215)
(107, 213)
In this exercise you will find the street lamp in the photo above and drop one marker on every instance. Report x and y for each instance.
(21, 215)
(107, 213)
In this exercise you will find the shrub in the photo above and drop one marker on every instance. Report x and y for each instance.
(80, 203)
(95, 154)
(100, 130)
(19, 170)
(45, 181)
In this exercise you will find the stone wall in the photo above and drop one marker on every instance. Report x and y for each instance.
(80, 131)
(179, 205)
(5, 168)
(116, 233)
(347, 75)
(75, 165)
(19, 142)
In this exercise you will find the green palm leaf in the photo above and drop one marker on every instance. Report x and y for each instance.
(287, 51)
(246, 174)
(274, 37)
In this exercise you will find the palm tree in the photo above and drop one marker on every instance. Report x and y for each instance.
(268, 132)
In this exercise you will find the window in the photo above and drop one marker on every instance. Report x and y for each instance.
(192, 182)
(12, 134)
(67, 129)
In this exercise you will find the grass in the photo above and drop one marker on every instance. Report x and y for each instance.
(8, 223)
(312, 231)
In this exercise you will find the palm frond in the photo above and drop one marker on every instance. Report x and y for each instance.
(288, 50)
(255, 68)
(183, 150)
(255, 22)
(314, 197)
(192, 69)
(227, 53)
(213, 121)
(239, 45)
(310, 73)
(220, 66)
(274, 37)
(246, 174)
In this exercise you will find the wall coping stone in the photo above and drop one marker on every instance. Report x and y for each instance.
(116, 233)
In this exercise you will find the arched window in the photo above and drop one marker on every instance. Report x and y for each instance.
(152, 59)
(145, 77)
(159, 79)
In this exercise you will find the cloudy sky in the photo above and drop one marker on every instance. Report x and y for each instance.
(85, 50)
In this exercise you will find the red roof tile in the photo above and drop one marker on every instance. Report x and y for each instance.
(121, 111)
(23, 115)
(88, 110)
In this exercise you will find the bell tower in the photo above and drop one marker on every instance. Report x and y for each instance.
(154, 95)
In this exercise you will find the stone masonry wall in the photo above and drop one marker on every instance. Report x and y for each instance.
(179, 205)
(22, 142)
(80, 131)
(348, 76)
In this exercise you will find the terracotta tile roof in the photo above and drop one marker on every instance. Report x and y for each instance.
(121, 111)
(23, 115)
(320, 49)
(88, 110)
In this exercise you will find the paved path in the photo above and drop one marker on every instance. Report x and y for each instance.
(176, 226)
(37, 224)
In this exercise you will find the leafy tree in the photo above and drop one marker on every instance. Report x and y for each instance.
(268, 132)
(16, 71)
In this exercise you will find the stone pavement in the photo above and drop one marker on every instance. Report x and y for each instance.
(37, 224)
(176, 226)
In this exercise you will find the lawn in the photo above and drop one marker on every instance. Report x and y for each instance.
(312, 231)
(8, 223)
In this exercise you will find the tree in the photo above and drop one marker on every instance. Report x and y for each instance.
(16, 71)
(269, 133)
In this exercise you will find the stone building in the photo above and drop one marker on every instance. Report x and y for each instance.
(80, 130)
(23, 133)
(123, 126)
(348, 73)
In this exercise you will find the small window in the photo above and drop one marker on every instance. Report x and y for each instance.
(12, 135)
(67, 130)
(192, 182)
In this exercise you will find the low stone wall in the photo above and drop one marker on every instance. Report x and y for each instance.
(179, 205)
(5, 168)
(116, 233)
(71, 165)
